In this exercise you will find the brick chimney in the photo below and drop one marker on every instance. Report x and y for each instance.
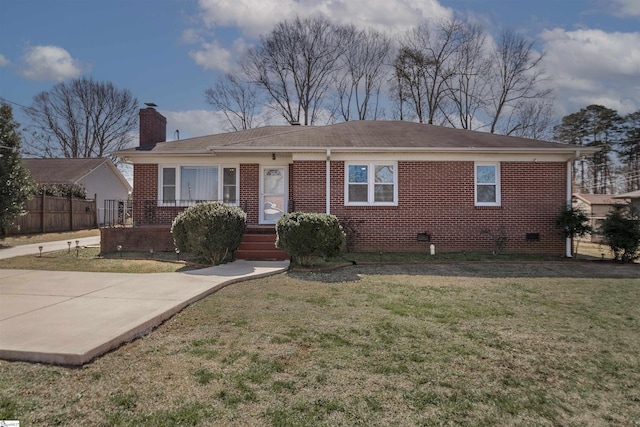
(153, 126)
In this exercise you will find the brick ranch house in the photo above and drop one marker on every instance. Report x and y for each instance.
(401, 186)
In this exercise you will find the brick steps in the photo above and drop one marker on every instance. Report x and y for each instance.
(260, 244)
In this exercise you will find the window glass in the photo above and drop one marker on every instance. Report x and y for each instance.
(229, 185)
(383, 193)
(358, 193)
(486, 174)
(486, 194)
(358, 173)
(198, 183)
(384, 174)
(487, 184)
(168, 184)
(371, 184)
(273, 181)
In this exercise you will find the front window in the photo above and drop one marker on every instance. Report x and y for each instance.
(371, 184)
(184, 185)
(487, 184)
(198, 183)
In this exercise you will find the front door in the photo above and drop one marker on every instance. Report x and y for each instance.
(273, 193)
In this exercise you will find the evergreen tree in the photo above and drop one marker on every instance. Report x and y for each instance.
(16, 185)
(629, 151)
(593, 125)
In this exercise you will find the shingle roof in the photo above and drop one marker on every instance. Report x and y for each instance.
(631, 195)
(357, 135)
(58, 171)
(599, 199)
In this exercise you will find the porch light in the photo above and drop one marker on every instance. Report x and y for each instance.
(273, 156)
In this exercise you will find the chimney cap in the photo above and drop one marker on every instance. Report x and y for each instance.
(150, 104)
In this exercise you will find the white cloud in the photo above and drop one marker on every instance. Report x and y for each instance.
(256, 17)
(252, 18)
(626, 8)
(213, 56)
(4, 61)
(192, 123)
(49, 63)
(593, 66)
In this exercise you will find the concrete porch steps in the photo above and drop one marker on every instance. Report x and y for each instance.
(260, 244)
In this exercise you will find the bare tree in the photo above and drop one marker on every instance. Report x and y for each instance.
(515, 77)
(409, 75)
(531, 118)
(295, 63)
(426, 62)
(365, 66)
(236, 99)
(81, 118)
(468, 88)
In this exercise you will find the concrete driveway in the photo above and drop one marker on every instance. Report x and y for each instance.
(69, 318)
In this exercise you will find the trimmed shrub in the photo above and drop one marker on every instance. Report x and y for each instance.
(308, 235)
(62, 190)
(621, 231)
(209, 230)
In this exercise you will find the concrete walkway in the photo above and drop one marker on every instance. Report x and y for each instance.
(69, 318)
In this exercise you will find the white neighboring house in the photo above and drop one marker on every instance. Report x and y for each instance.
(634, 196)
(597, 207)
(99, 176)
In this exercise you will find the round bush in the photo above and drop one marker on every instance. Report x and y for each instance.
(210, 230)
(307, 235)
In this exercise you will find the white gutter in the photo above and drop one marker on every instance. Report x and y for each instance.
(568, 250)
(328, 183)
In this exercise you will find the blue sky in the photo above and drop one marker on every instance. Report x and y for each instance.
(170, 51)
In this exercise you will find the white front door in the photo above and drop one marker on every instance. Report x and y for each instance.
(273, 193)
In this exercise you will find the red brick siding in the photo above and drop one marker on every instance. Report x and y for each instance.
(136, 239)
(145, 188)
(434, 197)
(307, 186)
(153, 127)
(438, 197)
(250, 191)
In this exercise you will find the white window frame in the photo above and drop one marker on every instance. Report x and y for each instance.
(498, 201)
(371, 165)
(178, 185)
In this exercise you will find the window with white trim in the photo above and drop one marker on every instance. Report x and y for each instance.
(487, 184)
(185, 185)
(371, 183)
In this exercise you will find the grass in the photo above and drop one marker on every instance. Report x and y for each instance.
(89, 259)
(587, 252)
(11, 241)
(432, 344)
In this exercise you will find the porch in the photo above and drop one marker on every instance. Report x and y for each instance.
(146, 226)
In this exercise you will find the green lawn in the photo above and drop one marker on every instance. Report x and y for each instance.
(25, 239)
(89, 259)
(437, 344)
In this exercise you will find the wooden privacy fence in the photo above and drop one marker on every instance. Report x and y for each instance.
(48, 214)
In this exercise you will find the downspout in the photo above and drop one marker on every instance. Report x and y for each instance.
(328, 183)
(569, 252)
